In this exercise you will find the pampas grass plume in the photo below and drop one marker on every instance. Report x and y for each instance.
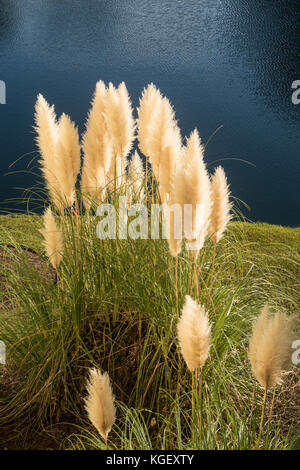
(175, 244)
(270, 347)
(119, 119)
(170, 158)
(220, 211)
(47, 134)
(67, 154)
(192, 187)
(194, 332)
(136, 177)
(59, 147)
(53, 239)
(161, 123)
(193, 149)
(121, 127)
(99, 403)
(97, 149)
(45, 127)
(150, 100)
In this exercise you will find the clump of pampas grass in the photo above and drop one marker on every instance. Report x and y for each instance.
(99, 403)
(221, 206)
(53, 239)
(270, 351)
(97, 149)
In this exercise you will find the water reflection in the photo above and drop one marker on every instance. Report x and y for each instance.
(266, 36)
(227, 62)
(7, 18)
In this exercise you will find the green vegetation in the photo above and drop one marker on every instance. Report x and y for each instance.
(115, 307)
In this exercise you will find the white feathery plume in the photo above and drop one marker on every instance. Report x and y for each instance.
(193, 149)
(159, 137)
(67, 155)
(53, 239)
(47, 133)
(46, 128)
(59, 147)
(221, 206)
(151, 98)
(162, 121)
(136, 178)
(99, 403)
(126, 122)
(170, 157)
(175, 244)
(97, 148)
(194, 333)
(192, 187)
(270, 347)
(121, 127)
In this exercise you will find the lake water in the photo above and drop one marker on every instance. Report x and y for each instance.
(220, 62)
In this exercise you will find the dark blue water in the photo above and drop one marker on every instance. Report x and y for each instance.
(229, 63)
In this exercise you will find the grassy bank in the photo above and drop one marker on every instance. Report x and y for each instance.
(116, 306)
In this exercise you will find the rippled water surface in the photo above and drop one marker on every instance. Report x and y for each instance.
(220, 62)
